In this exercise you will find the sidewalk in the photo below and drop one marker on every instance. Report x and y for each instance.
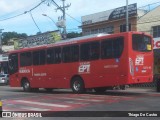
(142, 89)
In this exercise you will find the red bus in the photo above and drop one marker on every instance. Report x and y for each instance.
(97, 62)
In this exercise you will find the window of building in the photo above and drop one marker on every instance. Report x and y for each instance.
(112, 48)
(156, 31)
(123, 27)
(94, 31)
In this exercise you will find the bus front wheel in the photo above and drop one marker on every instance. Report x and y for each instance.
(77, 85)
(26, 86)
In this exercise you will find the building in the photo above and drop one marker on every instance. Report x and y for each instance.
(111, 21)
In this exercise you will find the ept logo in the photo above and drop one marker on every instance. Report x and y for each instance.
(139, 60)
(84, 68)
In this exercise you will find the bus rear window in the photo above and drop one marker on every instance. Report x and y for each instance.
(141, 43)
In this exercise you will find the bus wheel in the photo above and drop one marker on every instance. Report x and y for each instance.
(49, 89)
(100, 90)
(77, 85)
(26, 86)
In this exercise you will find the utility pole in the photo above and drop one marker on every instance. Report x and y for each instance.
(1, 40)
(63, 9)
(127, 27)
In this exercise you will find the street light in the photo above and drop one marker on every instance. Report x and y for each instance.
(51, 20)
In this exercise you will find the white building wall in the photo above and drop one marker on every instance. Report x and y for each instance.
(147, 21)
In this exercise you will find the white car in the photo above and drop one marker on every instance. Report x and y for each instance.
(4, 78)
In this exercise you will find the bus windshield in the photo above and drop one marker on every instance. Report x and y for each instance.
(141, 43)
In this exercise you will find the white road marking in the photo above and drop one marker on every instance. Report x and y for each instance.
(73, 102)
(34, 108)
(41, 103)
(91, 100)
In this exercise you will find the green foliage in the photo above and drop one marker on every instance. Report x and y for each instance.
(6, 36)
(73, 35)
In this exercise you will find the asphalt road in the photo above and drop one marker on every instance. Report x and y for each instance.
(89, 105)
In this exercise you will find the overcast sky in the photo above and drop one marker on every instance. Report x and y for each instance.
(78, 8)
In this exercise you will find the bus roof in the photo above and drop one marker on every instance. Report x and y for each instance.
(71, 41)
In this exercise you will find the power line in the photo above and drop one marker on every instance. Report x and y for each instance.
(73, 18)
(36, 6)
(13, 17)
(22, 13)
(34, 21)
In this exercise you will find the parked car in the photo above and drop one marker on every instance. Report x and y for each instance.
(4, 79)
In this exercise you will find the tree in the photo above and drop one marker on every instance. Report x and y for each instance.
(73, 35)
(6, 36)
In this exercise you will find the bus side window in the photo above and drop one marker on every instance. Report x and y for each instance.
(106, 49)
(75, 53)
(58, 55)
(25, 59)
(118, 45)
(36, 58)
(95, 50)
(13, 63)
(66, 54)
(39, 57)
(50, 56)
(42, 57)
(85, 51)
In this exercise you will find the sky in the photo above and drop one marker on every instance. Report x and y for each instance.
(78, 8)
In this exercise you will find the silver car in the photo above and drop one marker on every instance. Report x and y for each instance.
(4, 79)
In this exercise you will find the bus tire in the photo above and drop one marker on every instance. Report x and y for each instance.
(26, 86)
(77, 85)
(100, 89)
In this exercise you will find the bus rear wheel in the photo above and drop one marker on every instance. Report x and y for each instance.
(26, 86)
(100, 90)
(77, 85)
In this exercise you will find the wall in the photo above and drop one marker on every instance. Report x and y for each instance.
(150, 19)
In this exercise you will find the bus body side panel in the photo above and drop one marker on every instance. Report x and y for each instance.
(14, 81)
(107, 72)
